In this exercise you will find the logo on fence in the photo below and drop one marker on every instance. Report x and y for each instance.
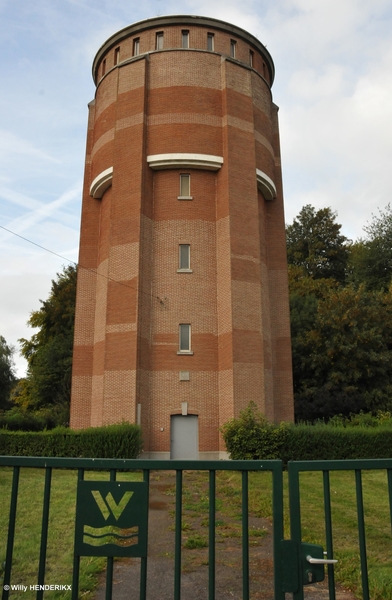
(111, 518)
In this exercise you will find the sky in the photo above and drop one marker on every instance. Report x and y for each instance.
(333, 86)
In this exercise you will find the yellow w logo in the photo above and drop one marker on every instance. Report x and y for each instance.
(109, 504)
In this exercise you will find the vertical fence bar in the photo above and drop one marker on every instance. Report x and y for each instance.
(295, 518)
(211, 537)
(177, 543)
(143, 560)
(76, 561)
(328, 533)
(110, 559)
(245, 537)
(362, 535)
(11, 532)
(44, 531)
(278, 529)
(389, 475)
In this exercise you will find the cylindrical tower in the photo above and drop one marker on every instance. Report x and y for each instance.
(182, 313)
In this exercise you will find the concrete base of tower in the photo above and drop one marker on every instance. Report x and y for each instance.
(213, 456)
(202, 455)
(155, 455)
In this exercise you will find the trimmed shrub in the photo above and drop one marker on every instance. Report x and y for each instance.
(113, 441)
(313, 442)
(250, 436)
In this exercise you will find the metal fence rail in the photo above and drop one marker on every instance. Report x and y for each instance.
(290, 565)
(113, 466)
(325, 467)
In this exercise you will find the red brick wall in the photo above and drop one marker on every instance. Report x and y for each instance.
(132, 299)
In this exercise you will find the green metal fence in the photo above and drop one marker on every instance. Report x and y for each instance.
(296, 562)
(109, 503)
(326, 467)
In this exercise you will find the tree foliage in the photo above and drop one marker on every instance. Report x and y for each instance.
(7, 373)
(315, 244)
(371, 259)
(345, 362)
(49, 351)
(341, 317)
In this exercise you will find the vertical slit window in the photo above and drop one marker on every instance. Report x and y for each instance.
(251, 58)
(185, 186)
(233, 45)
(103, 67)
(136, 46)
(184, 257)
(116, 56)
(185, 39)
(210, 42)
(159, 41)
(185, 337)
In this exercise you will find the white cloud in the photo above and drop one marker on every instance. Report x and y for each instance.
(19, 296)
(11, 144)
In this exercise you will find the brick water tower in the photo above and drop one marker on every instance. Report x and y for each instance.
(182, 314)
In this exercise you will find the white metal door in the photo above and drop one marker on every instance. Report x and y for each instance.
(184, 437)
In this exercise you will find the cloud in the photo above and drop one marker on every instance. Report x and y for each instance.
(39, 210)
(11, 144)
(19, 295)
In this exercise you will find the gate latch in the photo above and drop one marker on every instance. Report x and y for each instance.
(312, 563)
(302, 564)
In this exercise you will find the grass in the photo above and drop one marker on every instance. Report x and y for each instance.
(195, 522)
(195, 541)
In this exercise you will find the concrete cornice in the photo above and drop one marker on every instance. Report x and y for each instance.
(101, 183)
(207, 162)
(160, 22)
(265, 185)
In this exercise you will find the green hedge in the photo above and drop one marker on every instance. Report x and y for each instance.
(113, 441)
(313, 442)
(251, 437)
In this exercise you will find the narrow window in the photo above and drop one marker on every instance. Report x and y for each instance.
(185, 39)
(184, 263)
(185, 338)
(233, 45)
(185, 186)
(136, 46)
(159, 41)
(210, 42)
(103, 67)
(264, 74)
(251, 58)
(116, 56)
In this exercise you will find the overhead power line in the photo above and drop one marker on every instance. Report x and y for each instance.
(132, 287)
(38, 245)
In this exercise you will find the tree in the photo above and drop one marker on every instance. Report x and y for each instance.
(305, 294)
(341, 315)
(347, 355)
(372, 258)
(49, 351)
(315, 244)
(7, 373)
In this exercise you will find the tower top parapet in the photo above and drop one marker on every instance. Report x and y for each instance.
(179, 21)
